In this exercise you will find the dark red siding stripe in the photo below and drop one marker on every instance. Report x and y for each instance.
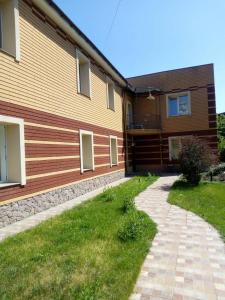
(44, 118)
(147, 149)
(212, 117)
(197, 133)
(47, 166)
(212, 124)
(102, 160)
(150, 155)
(45, 150)
(41, 184)
(52, 135)
(211, 110)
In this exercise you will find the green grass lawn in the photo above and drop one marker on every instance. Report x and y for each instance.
(78, 254)
(206, 200)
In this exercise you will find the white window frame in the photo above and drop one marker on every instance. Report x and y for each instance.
(79, 55)
(17, 29)
(180, 137)
(16, 52)
(112, 137)
(1, 29)
(176, 95)
(5, 120)
(110, 82)
(3, 151)
(85, 132)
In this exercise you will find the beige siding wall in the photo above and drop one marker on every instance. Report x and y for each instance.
(45, 78)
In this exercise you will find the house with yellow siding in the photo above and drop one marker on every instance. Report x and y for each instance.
(70, 122)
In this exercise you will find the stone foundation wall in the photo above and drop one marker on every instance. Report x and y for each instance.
(16, 211)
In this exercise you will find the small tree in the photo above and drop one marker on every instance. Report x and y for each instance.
(196, 157)
(221, 134)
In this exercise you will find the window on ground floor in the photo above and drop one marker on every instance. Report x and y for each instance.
(175, 145)
(86, 150)
(113, 151)
(12, 154)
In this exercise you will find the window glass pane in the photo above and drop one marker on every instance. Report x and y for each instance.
(87, 151)
(183, 105)
(2, 153)
(0, 28)
(111, 96)
(129, 115)
(173, 107)
(175, 148)
(84, 78)
(113, 151)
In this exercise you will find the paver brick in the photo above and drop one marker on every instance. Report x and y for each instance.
(187, 257)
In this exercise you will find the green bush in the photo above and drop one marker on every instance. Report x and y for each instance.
(222, 154)
(221, 176)
(221, 135)
(128, 204)
(217, 170)
(196, 157)
(133, 227)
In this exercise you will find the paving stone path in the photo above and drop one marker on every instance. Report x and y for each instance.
(34, 220)
(187, 257)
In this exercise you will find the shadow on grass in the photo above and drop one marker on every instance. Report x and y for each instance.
(184, 185)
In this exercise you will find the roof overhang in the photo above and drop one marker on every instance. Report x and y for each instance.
(57, 15)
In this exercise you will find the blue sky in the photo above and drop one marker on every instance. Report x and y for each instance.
(156, 35)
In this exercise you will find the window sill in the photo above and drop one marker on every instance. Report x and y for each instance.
(8, 54)
(87, 170)
(178, 116)
(8, 184)
(112, 109)
(114, 165)
(86, 96)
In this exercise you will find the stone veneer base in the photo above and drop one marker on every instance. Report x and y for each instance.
(18, 210)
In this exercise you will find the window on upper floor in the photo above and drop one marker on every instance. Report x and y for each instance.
(175, 145)
(129, 121)
(113, 151)
(1, 33)
(83, 74)
(9, 28)
(178, 104)
(12, 154)
(86, 151)
(110, 94)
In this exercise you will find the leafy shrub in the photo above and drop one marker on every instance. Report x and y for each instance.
(216, 170)
(128, 204)
(222, 154)
(133, 227)
(221, 135)
(195, 158)
(222, 176)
